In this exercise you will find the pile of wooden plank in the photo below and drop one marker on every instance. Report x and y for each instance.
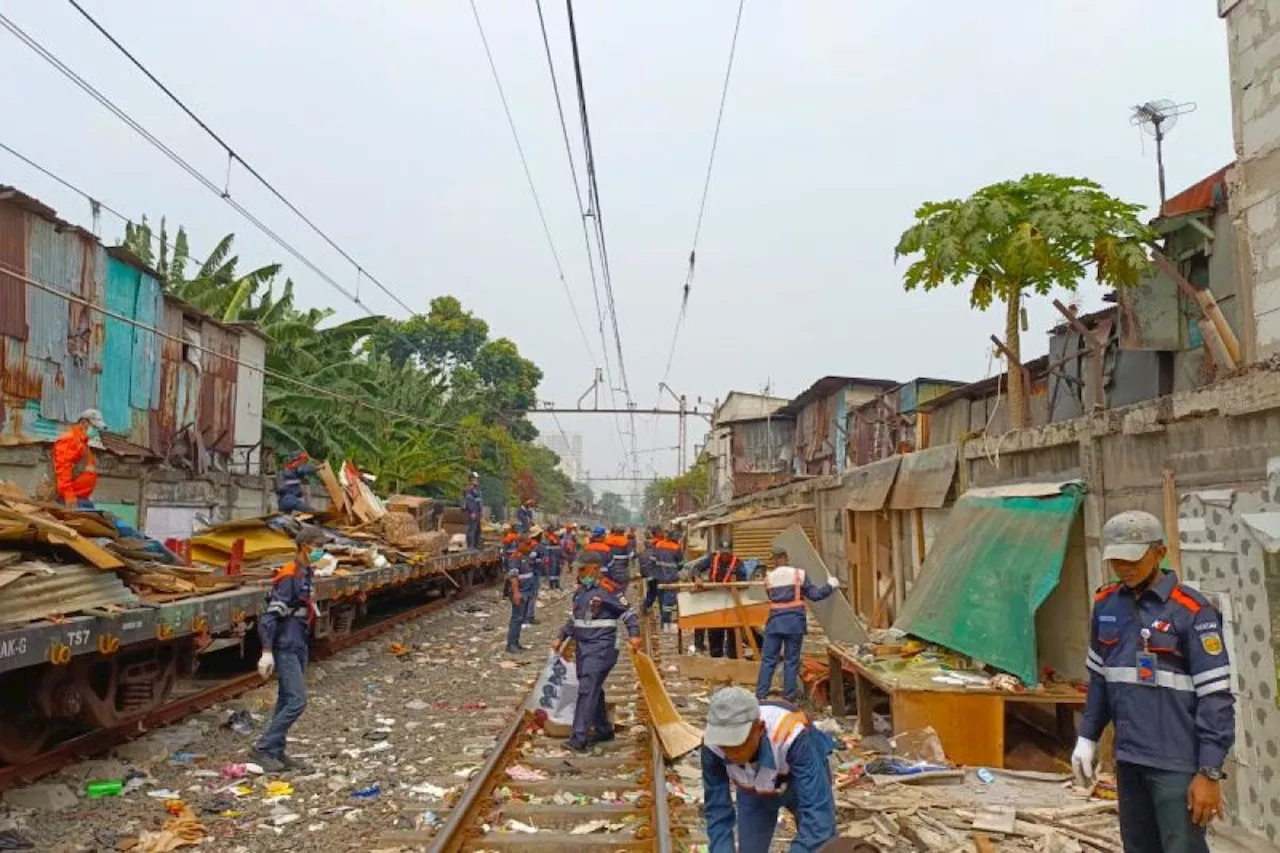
(934, 818)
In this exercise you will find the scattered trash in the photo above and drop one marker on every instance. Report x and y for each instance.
(509, 664)
(426, 789)
(919, 745)
(592, 826)
(369, 793)
(426, 820)
(102, 788)
(235, 771)
(520, 773)
(184, 757)
(517, 826)
(240, 722)
(416, 705)
(278, 789)
(164, 794)
(400, 650)
(986, 775)
(175, 807)
(11, 839)
(183, 830)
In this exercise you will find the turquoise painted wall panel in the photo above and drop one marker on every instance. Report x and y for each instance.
(121, 298)
(144, 389)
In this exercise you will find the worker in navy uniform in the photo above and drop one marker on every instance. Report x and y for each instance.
(773, 756)
(524, 516)
(720, 566)
(555, 556)
(1158, 672)
(520, 589)
(283, 629)
(473, 503)
(621, 552)
(645, 559)
(289, 483)
(537, 559)
(788, 587)
(593, 625)
(665, 570)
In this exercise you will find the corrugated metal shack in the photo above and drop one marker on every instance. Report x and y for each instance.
(59, 357)
(821, 412)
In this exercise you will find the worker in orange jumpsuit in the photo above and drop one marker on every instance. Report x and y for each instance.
(74, 469)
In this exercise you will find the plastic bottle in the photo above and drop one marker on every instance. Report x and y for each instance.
(104, 788)
(368, 793)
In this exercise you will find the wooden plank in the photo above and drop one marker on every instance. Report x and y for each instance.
(970, 726)
(756, 614)
(718, 669)
(337, 497)
(835, 683)
(863, 697)
(744, 620)
(59, 534)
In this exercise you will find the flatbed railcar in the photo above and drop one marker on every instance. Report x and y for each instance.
(100, 668)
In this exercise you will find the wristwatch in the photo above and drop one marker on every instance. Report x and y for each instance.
(1213, 774)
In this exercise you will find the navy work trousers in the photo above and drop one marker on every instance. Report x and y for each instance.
(473, 531)
(789, 645)
(291, 700)
(589, 711)
(1153, 811)
(520, 613)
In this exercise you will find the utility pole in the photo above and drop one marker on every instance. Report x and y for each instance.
(682, 444)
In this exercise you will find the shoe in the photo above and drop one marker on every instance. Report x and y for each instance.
(580, 748)
(592, 741)
(268, 763)
(296, 765)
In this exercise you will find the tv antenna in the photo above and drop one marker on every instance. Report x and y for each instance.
(1157, 118)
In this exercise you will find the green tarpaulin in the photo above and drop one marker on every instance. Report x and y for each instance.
(989, 569)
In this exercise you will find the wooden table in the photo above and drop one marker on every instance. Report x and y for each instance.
(970, 722)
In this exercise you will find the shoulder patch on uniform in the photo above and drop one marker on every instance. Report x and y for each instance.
(622, 599)
(1206, 626)
(1104, 591)
(1211, 643)
(1105, 618)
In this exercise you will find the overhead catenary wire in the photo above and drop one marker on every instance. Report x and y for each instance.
(706, 189)
(577, 190)
(597, 218)
(234, 156)
(191, 170)
(18, 275)
(528, 174)
(93, 200)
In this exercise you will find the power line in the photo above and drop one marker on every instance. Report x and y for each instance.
(533, 189)
(593, 190)
(94, 202)
(706, 188)
(577, 189)
(160, 146)
(234, 156)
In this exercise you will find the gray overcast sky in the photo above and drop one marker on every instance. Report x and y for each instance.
(381, 121)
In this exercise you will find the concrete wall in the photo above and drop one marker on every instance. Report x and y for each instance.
(1253, 45)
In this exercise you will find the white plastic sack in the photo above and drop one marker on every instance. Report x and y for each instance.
(557, 690)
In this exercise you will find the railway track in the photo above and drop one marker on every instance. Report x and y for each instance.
(615, 799)
(195, 695)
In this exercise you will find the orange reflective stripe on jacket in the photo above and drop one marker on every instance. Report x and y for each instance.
(715, 567)
(288, 570)
(795, 602)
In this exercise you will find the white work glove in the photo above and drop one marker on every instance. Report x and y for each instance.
(266, 664)
(833, 582)
(1083, 761)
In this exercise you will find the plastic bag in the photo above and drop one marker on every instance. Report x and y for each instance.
(557, 690)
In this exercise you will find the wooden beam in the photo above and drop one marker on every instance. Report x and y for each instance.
(1172, 542)
(1096, 347)
(1203, 297)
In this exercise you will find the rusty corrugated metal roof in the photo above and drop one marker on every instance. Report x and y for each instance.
(34, 591)
(924, 478)
(13, 254)
(869, 485)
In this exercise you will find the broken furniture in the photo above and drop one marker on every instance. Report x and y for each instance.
(969, 720)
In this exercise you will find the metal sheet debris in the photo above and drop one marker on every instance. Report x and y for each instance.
(869, 485)
(924, 478)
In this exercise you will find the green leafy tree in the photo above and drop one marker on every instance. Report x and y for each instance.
(613, 509)
(1026, 236)
(662, 496)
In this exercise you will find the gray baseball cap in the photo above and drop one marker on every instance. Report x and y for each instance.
(730, 715)
(1129, 535)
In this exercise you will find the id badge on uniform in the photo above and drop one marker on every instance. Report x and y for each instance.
(1147, 667)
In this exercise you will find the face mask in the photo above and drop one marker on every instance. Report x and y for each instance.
(94, 433)
(588, 582)
(315, 555)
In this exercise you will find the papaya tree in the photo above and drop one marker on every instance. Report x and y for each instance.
(1015, 238)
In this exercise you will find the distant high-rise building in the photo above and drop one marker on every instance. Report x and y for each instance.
(568, 446)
